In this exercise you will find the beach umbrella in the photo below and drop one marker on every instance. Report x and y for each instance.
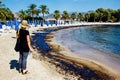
(0, 25)
(29, 22)
(47, 23)
(56, 22)
(59, 22)
(35, 23)
(11, 23)
(51, 23)
(41, 23)
(16, 23)
(6, 23)
(64, 22)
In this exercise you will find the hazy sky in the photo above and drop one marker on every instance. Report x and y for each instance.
(69, 5)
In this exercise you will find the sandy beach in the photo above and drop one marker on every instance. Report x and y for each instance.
(60, 40)
(39, 70)
(57, 64)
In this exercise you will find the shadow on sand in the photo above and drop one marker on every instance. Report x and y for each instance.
(14, 64)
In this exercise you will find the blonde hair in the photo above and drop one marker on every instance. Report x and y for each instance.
(24, 24)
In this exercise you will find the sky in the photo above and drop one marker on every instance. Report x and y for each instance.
(61, 5)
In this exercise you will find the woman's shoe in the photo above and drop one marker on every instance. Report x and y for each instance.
(25, 72)
(20, 70)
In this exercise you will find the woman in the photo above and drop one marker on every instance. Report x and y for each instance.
(25, 46)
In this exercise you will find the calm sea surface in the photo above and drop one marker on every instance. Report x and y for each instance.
(105, 38)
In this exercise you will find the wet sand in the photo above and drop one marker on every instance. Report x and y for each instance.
(86, 51)
(98, 61)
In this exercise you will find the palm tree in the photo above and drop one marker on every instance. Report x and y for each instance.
(65, 15)
(56, 14)
(37, 12)
(80, 16)
(106, 15)
(32, 10)
(10, 14)
(23, 14)
(6, 14)
(2, 14)
(44, 10)
(94, 15)
(100, 12)
(73, 16)
(117, 13)
(87, 16)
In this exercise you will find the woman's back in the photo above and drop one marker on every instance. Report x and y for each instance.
(23, 40)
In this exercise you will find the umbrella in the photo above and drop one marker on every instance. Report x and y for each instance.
(11, 23)
(47, 23)
(29, 22)
(35, 22)
(0, 25)
(41, 22)
(16, 25)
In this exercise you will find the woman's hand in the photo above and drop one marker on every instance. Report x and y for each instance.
(31, 49)
(29, 44)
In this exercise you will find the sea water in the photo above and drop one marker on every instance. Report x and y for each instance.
(105, 38)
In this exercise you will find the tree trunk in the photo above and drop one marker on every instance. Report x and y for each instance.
(43, 18)
(32, 19)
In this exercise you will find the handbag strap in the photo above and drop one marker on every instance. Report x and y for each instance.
(18, 33)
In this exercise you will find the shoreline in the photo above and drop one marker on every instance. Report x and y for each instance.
(71, 67)
(58, 36)
(52, 42)
(78, 24)
(54, 65)
(89, 52)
